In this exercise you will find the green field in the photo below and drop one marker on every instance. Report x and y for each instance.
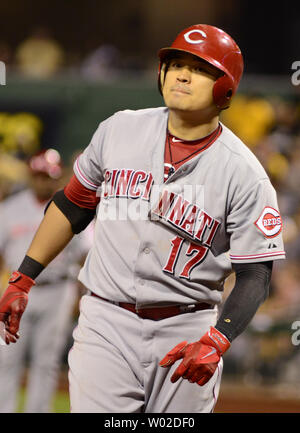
(60, 401)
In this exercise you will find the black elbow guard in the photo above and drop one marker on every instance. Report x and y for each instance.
(79, 217)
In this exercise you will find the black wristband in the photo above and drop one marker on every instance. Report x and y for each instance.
(31, 267)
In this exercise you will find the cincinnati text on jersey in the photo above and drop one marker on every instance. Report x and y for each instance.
(187, 217)
(127, 183)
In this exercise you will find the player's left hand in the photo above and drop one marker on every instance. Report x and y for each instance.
(199, 359)
(13, 303)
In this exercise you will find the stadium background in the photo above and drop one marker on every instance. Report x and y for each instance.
(69, 65)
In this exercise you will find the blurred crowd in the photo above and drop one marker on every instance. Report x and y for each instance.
(41, 56)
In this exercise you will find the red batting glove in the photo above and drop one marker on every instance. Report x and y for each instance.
(200, 359)
(13, 303)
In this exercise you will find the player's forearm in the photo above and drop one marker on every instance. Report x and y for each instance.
(250, 290)
(52, 236)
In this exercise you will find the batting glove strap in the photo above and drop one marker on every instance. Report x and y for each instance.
(216, 339)
(21, 281)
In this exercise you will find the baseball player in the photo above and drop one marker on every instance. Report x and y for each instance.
(48, 319)
(181, 204)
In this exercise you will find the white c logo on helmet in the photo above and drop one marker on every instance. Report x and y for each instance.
(195, 41)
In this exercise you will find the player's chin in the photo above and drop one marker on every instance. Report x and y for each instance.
(179, 104)
(186, 104)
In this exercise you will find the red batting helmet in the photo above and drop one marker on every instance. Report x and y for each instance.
(46, 161)
(217, 48)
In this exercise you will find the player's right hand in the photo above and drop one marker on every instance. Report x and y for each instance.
(13, 303)
(199, 359)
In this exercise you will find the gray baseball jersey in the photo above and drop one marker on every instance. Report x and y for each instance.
(173, 242)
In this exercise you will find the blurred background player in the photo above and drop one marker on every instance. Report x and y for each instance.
(48, 321)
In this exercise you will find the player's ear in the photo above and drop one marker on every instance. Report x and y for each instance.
(163, 73)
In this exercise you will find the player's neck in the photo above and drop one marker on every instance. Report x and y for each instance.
(188, 128)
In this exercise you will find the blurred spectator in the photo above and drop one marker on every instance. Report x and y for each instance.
(250, 117)
(292, 179)
(286, 124)
(20, 134)
(39, 56)
(283, 304)
(13, 175)
(292, 236)
(102, 63)
(274, 162)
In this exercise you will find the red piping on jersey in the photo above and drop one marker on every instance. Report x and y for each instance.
(257, 256)
(83, 177)
(80, 195)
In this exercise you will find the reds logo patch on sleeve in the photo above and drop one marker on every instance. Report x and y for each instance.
(269, 222)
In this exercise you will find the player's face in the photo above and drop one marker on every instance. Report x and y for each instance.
(188, 84)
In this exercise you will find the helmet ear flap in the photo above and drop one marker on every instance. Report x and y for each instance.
(223, 92)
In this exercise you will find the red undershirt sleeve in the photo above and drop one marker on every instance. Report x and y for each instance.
(80, 195)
